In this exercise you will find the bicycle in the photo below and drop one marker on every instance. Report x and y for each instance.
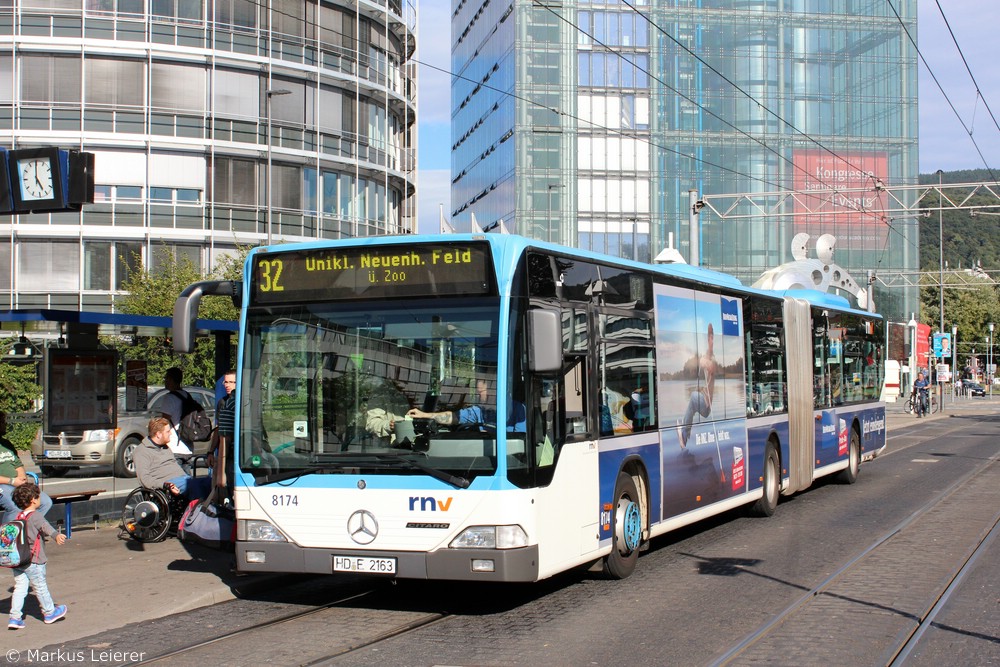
(931, 406)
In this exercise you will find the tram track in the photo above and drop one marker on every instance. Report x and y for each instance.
(890, 599)
(831, 612)
(355, 631)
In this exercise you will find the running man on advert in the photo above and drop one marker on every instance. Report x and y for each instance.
(700, 401)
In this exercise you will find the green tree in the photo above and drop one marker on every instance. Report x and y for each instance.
(154, 293)
(970, 303)
(971, 251)
(20, 392)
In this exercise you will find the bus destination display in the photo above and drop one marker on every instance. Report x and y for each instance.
(368, 272)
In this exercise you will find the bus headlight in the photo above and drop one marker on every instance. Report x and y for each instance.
(491, 537)
(262, 531)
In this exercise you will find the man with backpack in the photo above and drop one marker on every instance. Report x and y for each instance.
(189, 420)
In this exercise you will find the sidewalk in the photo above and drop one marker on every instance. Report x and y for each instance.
(896, 418)
(108, 583)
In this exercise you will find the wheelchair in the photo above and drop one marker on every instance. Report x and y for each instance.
(152, 515)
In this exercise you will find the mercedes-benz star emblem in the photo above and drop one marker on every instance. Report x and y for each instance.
(362, 527)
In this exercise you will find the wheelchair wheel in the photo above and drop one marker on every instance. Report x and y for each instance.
(146, 515)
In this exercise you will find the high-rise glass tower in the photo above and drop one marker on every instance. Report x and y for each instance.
(213, 124)
(588, 123)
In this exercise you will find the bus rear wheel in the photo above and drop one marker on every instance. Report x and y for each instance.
(768, 503)
(626, 529)
(849, 475)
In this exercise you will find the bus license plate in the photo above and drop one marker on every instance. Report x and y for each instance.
(58, 454)
(364, 565)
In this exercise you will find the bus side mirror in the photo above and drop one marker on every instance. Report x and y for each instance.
(544, 341)
(186, 308)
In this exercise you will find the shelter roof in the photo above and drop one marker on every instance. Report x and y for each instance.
(108, 324)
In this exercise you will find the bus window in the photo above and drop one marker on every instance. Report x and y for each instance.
(625, 373)
(821, 374)
(575, 415)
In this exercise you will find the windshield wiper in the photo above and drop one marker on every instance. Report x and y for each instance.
(446, 477)
(361, 461)
(295, 474)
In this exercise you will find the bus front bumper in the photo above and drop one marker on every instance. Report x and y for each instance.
(452, 564)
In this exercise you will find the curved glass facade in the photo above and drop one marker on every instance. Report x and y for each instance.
(213, 124)
(618, 110)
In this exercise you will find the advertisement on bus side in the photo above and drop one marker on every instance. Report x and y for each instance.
(702, 391)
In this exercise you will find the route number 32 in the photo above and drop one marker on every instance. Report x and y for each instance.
(270, 276)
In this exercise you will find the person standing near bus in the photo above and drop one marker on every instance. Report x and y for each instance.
(700, 401)
(920, 390)
(225, 422)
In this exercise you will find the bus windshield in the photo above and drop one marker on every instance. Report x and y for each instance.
(374, 388)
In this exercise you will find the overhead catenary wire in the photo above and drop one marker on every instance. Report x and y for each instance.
(878, 216)
(850, 204)
(941, 89)
(954, 39)
(312, 23)
(739, 89)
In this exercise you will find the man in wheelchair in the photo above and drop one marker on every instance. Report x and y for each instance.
(156, 467)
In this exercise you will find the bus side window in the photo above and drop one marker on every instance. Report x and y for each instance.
(575, 403)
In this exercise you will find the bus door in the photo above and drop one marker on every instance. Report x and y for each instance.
(801, 395)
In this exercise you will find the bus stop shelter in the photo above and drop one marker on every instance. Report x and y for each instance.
(80, 329)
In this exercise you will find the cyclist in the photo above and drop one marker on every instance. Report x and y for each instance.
(920, 394)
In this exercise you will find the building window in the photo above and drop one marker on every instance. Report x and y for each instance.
(51, 265)
(165, 255)
(235, 181)
(97, 265)
(50, 79)
(175, 196)
(178, 87)
(128, 260)
(114, 82)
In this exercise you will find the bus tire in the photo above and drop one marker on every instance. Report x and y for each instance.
(626, 529)
(768, 503)
(849, 475)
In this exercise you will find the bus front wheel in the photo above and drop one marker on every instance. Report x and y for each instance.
(626, 529)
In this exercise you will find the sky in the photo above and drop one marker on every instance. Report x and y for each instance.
(949, 139)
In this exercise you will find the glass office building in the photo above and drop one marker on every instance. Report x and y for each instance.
(588, 123)
(213, 123)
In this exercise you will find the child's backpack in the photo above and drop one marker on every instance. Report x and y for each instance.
(14, 548)
(196, 425)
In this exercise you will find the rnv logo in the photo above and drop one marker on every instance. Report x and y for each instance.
(429, 504)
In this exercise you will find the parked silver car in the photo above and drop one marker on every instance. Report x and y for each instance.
(56, 454)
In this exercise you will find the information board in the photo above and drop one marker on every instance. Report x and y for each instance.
(80, 390)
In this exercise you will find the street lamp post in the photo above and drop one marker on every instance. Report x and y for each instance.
(912, 324)
(268, 94)
(954, 361)
(940, 174)
(989, 361)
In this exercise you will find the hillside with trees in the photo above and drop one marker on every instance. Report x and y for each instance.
(971, 243)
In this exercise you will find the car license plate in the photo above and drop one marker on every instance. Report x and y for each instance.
(58, 454)
(364, 565)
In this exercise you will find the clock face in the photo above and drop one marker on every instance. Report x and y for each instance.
(36, 179)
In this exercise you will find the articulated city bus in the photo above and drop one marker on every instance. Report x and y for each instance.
(488, 407)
